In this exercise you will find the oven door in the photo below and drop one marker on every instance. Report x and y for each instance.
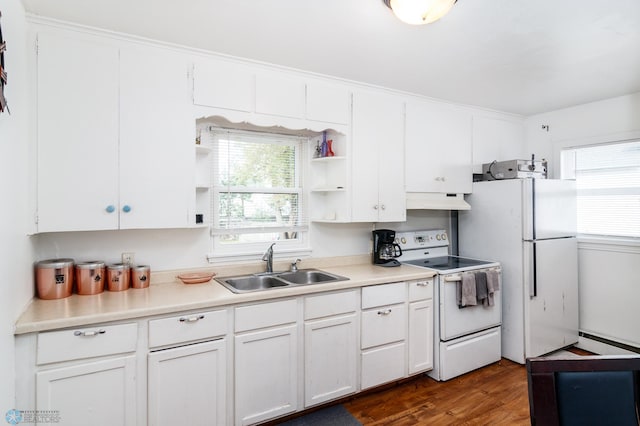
(455, 321)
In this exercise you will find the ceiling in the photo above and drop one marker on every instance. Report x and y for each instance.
(519, 56)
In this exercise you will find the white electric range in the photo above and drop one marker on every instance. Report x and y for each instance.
(465, 338)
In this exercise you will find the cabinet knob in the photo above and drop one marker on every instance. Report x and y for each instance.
(126, 208)
(375, 207)
(383, 207)
(110, 208)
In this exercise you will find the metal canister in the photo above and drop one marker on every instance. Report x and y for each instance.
(90, 277)
(54, 278)
(118, 276)
(140, 276)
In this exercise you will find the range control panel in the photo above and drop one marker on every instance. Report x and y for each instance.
(420, 239)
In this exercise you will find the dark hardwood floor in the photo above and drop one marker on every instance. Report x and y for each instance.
(492, 395)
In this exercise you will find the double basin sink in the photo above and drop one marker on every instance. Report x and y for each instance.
(273, 280)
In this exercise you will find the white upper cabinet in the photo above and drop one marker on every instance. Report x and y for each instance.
(378, 192)
(77, 133)
(115, 135)
(438, 151)
(278, 93)
(223, 84)
(328, 103)
(157, 134)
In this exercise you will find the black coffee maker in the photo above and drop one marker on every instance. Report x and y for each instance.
(385, 250)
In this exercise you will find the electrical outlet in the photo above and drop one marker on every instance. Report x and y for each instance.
(127, 258)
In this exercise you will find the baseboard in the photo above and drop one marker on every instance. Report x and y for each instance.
(602, 346)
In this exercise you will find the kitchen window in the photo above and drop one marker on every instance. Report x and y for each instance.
(608, 183)
(257, 193)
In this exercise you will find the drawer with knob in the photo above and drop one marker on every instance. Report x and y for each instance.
(187, 328)
(86, 342)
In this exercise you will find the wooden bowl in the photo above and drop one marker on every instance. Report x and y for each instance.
(196, 277)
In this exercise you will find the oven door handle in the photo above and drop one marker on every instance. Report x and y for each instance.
(458, 277)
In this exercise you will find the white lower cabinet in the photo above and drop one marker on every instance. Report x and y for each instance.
(420, 326)
(187, 385)
(266, 361)
(92, 393)
(384, 334)
(86, 375)
(330, 346)
(420, 336)
(284, 356)
(187, 369)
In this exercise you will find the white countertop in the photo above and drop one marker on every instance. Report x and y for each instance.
(168, 295)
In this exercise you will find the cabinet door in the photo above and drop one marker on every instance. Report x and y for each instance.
(187, 385)
(378, 158)
(328, 103)
(95, 393)
(438, 151)
(266, 376)
(280, 94)
(331, 351)
(157, 139)
(222, 84)
(420, 336)
(77, 128)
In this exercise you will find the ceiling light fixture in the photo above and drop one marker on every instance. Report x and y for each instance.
(419, 12)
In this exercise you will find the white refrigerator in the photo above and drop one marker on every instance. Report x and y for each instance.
(529, 226)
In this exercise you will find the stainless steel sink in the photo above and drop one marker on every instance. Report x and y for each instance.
(260, 282)
(309, 276)
(253, 283)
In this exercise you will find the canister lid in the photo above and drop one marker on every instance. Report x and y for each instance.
(91, 264)
(118, 266)
(55, 263)
(140, 268)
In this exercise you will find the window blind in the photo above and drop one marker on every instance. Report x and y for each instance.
(257, 186)
(608, 183)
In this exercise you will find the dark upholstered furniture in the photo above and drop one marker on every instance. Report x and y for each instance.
(584, 390)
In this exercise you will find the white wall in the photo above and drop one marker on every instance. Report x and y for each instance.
(16, 283)
(596, 122)
(497, 137)
(608, 271)
(187, 248)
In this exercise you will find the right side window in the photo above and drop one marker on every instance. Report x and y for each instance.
(608, 183)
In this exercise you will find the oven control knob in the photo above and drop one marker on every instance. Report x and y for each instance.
(438, 237)
(444, 237)
(403, 240)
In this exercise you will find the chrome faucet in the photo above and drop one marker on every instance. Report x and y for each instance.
(294, 265)
(268, 257)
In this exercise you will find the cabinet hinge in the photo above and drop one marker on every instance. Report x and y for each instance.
(36, 218)
(36, 46)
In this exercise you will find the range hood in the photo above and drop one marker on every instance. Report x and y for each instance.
(436, 201)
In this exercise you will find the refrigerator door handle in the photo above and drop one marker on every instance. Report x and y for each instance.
(533, 289)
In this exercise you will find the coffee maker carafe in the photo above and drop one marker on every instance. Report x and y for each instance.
(385, 250)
